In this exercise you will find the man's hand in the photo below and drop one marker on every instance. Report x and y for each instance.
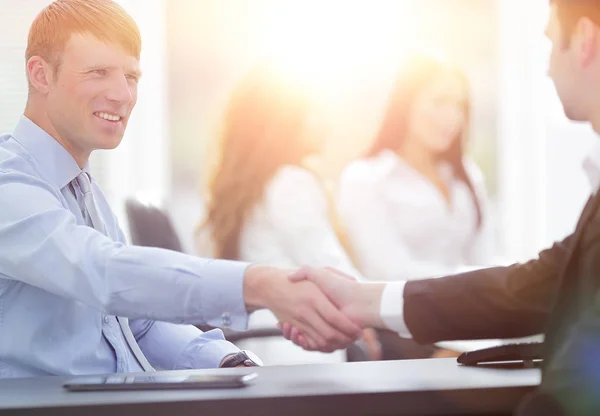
(360, 302)
(302, 305)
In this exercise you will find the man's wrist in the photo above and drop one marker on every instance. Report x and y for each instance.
(370, 295)
(227, 357)
(254, 288)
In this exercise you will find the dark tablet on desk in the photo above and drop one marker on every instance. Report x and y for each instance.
(528, 354)
(117, 382)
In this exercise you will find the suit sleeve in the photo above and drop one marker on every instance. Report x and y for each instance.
(499, 302)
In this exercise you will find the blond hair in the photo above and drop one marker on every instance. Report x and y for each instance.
(261, 131)
(56, 23)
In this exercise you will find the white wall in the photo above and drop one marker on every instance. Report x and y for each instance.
(13, 41)
(140, 165)
(541, 184)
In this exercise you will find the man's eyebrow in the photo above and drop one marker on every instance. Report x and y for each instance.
(131, 71)
(93, 67)
(135, 72)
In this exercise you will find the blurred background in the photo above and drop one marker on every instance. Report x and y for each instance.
(195, 50)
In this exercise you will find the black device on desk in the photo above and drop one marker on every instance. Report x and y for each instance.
(528, 353)
(158, 382)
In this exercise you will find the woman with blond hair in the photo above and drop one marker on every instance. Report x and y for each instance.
(264, 205)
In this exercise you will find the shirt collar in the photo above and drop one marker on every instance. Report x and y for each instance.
(56, 163)
(389, 161)
(591, 167)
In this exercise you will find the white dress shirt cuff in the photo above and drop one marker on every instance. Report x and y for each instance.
(392, 308)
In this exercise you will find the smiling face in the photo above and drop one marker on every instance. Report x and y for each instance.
(89, 96)
(85, 99)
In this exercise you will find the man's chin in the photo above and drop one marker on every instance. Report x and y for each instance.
(571, 112)
(109, 143)
(574, 116)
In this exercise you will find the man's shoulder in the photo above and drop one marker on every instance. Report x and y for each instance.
(14, 159)
(22, 182)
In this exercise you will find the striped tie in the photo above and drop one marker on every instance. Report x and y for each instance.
(83, 180)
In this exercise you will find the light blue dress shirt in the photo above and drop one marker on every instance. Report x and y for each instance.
(62, 282)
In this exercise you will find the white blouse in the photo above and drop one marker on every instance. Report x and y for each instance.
(400, 225)
(291, 227)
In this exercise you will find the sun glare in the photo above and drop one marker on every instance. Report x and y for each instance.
(330, 41)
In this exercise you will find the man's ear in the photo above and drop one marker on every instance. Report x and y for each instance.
(585, 40)
(39, 73)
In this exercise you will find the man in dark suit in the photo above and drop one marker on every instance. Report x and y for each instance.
(557, 294)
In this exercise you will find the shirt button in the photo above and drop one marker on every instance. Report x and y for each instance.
(226, 319)
(106, 319)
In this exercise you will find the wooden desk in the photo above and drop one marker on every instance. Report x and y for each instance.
(419, 387)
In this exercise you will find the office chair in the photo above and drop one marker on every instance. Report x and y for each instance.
(150, 226)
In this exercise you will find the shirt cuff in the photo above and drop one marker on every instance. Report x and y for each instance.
(221, 298)
(392, 308)
(206, 351)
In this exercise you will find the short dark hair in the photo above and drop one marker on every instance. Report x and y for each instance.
(570, 11)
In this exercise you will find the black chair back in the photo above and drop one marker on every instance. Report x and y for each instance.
(150, 226)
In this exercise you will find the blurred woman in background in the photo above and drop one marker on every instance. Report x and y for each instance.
(414, 206)
(264, 205)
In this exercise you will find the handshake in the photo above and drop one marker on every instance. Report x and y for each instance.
(318, 309)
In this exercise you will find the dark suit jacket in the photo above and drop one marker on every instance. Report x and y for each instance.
(557, 294)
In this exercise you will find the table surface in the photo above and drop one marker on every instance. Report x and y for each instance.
(415, 387)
